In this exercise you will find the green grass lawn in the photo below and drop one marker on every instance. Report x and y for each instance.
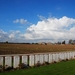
(61, 68)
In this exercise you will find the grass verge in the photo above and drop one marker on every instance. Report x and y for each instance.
(61, 68)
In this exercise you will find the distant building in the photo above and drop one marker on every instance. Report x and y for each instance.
(49, 43)
(42, 43)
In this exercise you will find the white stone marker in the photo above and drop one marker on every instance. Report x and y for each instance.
(71, 57)
(41, 59)
(1, 60)
(64, 56)
(37, 59)
(53, 57)
(56, 57)
(50, 58)
(25, 59)
(31, 60)
(68, 55)
(8, 61)
(46, 58)
(16, 61)
(59, 56)
(73, 54)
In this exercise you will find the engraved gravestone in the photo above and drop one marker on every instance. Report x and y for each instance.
(16, 61)
(37, 58)
(41, 60)
(73, 55)
(8, 61)
(31, 60)
(1, 60)
(50, 58)
(54, 58)
(65, 56)
(57, 57)
(62, 56)
(68, 56)
(25, 59)
(46, 58)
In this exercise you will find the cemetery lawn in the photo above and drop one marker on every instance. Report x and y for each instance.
(61, 68)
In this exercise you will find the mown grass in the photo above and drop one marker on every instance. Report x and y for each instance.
(61, 68)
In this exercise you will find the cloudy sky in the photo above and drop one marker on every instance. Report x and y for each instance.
(37, 20)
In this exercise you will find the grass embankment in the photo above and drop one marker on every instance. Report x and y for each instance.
(61, 68)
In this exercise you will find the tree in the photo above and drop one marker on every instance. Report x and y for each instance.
(70, 41)
(6, 42)
(63, 42)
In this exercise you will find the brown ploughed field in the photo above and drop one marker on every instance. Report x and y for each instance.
(32, 48)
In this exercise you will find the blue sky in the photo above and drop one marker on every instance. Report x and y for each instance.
(20, 15)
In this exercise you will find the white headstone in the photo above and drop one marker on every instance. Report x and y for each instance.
(53, 57)
(8, 61)
(46, 58)
(59, 56)
(68, 55)
(56, 57)
(37, 59)
(16, 61)
(50, 58)
(62, 56)
(25, 59)
(31, 60)
(1, 60)
(73, 55)
(41, 59)
(65, 56)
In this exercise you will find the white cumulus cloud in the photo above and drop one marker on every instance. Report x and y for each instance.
(52, 28)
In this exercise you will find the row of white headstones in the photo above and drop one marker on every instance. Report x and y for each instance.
(33, 59)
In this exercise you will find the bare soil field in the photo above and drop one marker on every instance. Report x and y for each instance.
(32, 48)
